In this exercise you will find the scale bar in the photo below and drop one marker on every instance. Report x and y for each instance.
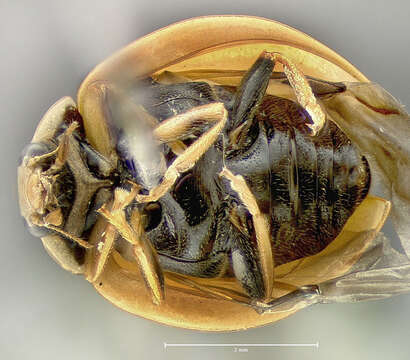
(167, 345)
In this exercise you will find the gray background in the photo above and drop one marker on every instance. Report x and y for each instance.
(47, 48)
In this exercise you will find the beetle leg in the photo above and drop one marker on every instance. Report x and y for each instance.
(106, 243)
(132, 232)
(101, 252)
(63, 147)
(248, 97)
(179, 127)
(177, 146)
(303, 91)
(246, 263)
(261, 225)
(60, 152)
(212, 291)
(253, 88)
(293, 301)
(49, 225)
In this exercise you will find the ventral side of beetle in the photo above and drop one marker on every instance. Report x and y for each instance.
(236, 171)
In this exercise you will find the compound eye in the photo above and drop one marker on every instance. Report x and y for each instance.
(35, 149)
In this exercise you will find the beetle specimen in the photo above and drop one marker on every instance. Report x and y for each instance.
(176, 184)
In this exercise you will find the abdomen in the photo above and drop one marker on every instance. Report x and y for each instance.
(316, 183)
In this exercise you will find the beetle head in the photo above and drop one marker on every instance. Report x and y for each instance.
(44, 187)
(37, 188)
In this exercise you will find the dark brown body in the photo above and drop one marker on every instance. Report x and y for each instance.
(308, 186)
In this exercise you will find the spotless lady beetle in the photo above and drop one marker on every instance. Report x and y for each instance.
(218, 174)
